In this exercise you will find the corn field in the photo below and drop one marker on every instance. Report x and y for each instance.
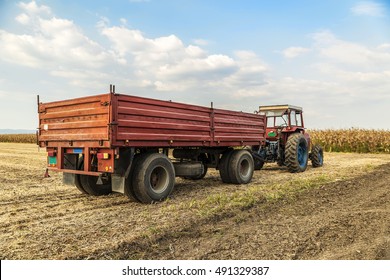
(352, 140)
(18, 138)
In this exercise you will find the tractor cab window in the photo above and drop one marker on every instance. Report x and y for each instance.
(270, 121)
(298, 118)
(276, 118)
(281, 120)
(293, 118)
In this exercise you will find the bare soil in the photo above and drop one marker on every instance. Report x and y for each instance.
(348, 219)
(339, 211)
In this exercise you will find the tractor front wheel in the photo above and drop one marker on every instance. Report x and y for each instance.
(317, 156)
(296, 153)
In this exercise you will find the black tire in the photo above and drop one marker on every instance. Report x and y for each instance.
(317, 156)
(241, 167)
(129, 190)
(296, 153)
(153, 178)
(78, 185)
(89, 184)
(80, 166)
(224, 166)
(281, 157)
(258, 164)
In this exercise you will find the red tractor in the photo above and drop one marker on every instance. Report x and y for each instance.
(287, 142)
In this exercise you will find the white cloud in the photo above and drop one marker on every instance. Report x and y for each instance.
(59, 46)
(342, 80)
(251, 71)
(123, 21)
(50, 42)
(201, 42)
(293, 52)
(384, 46)
(350, 53)
(23, 19)
(368, 8)
(102, 23)
(33, 9)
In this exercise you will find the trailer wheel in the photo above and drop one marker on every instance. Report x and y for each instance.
(153, 177)
(317, 156)
(80, 166)
(296, 153)
(224, 166)
(129, 190)
(90, 186)
(241, 167)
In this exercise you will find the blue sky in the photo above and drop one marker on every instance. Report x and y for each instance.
(331, 57)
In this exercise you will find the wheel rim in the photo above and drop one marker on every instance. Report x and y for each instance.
(159, 179)
(244, 168)
(302, 155)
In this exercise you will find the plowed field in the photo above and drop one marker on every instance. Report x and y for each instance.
(339, 211)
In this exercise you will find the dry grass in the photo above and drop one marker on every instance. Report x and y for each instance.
(353, 140)
(43, 219)
(18, 138)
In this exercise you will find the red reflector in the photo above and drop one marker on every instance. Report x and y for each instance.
(103, 155)
(51, 153)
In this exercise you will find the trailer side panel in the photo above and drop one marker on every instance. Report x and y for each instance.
(150, 122)
(145, 122)
(81, 119)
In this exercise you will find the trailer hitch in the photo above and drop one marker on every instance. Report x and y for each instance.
(46, 175)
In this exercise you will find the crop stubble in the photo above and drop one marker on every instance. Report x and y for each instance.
(42, 219)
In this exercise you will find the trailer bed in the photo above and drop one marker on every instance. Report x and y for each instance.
(118, 120)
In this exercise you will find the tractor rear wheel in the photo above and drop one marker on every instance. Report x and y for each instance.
(241, 167)
(317, 156)
(296, 153)
(153, 177)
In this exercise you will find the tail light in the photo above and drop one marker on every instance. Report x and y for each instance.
(103, 156)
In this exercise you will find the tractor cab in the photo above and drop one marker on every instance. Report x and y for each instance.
(282, 120)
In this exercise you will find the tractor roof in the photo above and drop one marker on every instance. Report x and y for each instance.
(279, 108)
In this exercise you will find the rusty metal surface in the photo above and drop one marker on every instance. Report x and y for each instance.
(81, 119)
(150, 122)
(239, 127)
(115, 120)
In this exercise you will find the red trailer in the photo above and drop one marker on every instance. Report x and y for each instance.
(136, 146)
